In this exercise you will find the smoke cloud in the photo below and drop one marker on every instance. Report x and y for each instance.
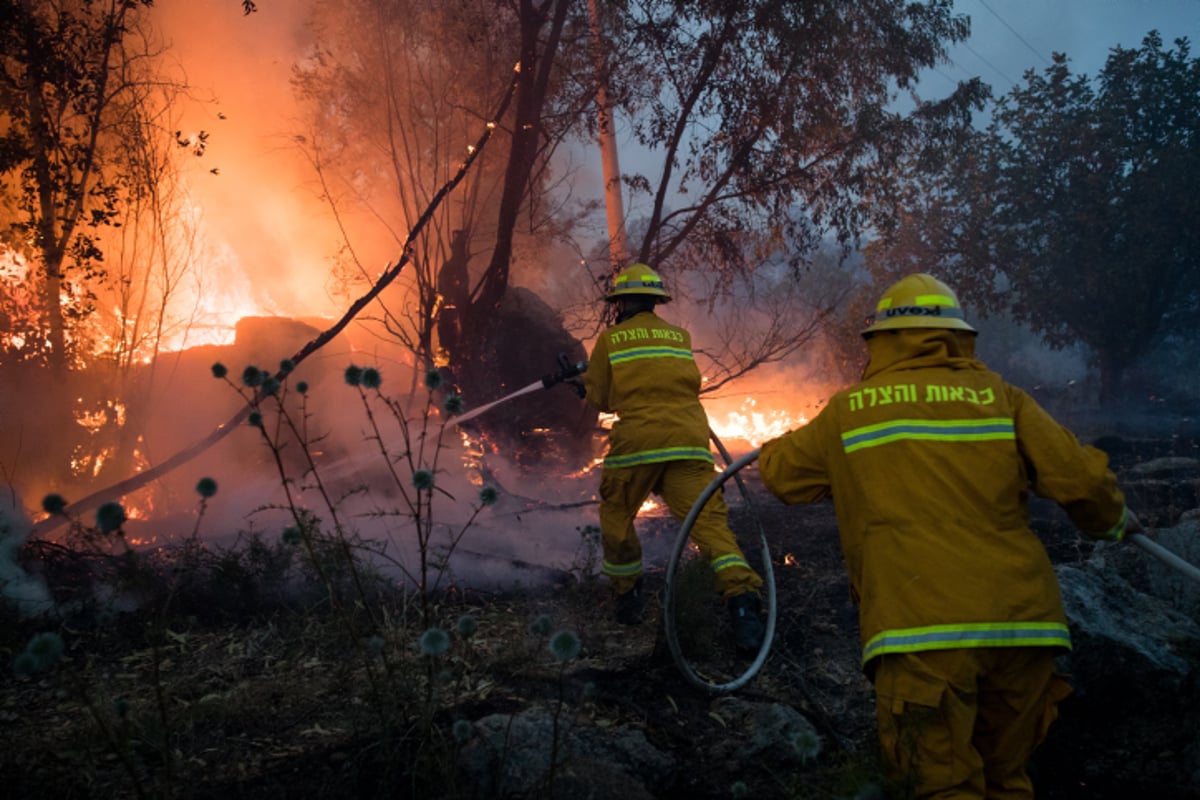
(26, 593)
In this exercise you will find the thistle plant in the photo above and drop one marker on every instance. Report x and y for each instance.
(407, 436)
(807, 745)
(41, 654)
(564, 646)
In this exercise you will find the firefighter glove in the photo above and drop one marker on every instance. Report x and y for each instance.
(566, 371)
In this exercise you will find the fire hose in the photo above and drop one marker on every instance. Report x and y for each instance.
(1165, 555)
(689, 672)
(568, 370)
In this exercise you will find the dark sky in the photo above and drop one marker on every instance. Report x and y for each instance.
(1011, 36)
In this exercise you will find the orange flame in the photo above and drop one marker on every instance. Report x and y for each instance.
(747, 423)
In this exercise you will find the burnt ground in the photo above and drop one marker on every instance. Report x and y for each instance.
(267, 698)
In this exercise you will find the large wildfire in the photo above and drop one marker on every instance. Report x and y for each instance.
(258, 290)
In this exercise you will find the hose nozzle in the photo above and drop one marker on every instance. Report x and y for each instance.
(566, 371)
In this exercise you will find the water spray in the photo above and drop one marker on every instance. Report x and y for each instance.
(567, 370)
(461, 418)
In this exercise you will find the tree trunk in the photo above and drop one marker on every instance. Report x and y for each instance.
(531, 98)
(618, 244)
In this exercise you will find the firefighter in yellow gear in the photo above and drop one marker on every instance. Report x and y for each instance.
(642, 370)
(929, 462)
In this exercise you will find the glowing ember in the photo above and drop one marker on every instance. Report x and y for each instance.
(789, 560)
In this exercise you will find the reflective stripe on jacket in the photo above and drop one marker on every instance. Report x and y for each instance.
(642, 369)
(930, 461)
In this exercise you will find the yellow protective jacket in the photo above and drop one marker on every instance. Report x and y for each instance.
(930, 461)
(643, 371)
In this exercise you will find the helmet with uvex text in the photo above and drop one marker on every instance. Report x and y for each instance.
(638, 279)
(917, 301)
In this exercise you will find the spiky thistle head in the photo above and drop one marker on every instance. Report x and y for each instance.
(43, 652)
(353, 375)
(488, 495)
(462, 730)
(47, 646)
(434, 642)
(807, 744)
(565, 645)
(453, 404)
(206, 487)
(540, 626)
(433, 378)
(302, 387)
(286, 366)
(53, 503)
(423, 479)
(252, 376)
(110, 517)
(219, 370)
(467, 626)
(371, 378)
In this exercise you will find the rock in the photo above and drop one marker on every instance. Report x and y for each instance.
(1133, 667)
(774, 731)
(509, 755)
(1129, 632)
(551, 430)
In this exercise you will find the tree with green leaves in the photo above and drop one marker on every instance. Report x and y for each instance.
(775, 124)
(1076, 210)
(772, 130)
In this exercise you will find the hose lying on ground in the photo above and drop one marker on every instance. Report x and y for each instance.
(1166, 556)
(1151, 547)
(672, 632)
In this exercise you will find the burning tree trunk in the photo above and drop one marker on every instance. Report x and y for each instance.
(521, 340)
(503, 338)
(533, 79)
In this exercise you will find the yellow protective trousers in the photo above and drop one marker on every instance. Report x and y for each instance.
(963, 723)
(679, 483)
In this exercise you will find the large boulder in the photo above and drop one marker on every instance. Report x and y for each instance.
(509, 755)
(551, 430)
(1135, 671)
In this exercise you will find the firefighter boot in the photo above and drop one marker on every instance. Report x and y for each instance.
(631, 604)
(745, 614)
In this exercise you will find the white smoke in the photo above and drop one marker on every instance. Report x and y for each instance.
(27, 593)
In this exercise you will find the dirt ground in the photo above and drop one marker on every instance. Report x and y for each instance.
(274, 705)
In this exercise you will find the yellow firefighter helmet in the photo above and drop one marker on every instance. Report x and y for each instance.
(638, 279)
(917, 301)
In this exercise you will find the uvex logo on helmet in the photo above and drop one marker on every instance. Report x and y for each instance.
(638, 279)
(917, 301)
(914, 311)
